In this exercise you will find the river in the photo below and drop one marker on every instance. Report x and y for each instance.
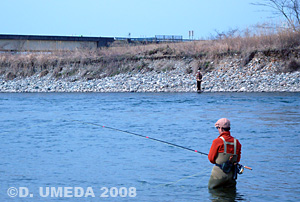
(51, 149)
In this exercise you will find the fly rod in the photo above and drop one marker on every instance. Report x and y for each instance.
(143, 136)
(150, 138)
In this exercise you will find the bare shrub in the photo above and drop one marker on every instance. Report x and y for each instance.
(248, 58)
(10, 76)
(43, 73)
(57, 72)
(292, 66)
(110, 61)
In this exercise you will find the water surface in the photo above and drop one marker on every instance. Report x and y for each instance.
(42, 144)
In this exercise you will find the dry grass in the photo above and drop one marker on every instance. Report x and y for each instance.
(113, 60)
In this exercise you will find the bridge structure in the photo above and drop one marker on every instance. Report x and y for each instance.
(42, 43)
(156, 39)
(51, 43)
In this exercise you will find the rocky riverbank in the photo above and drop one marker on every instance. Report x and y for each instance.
(229, 75)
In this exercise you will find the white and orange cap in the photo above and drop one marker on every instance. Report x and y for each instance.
(223, 123)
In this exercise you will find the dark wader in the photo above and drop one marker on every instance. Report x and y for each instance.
(199, 80)
(198, 85)
(218, 177)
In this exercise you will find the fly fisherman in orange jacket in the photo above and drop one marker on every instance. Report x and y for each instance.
(225, 153)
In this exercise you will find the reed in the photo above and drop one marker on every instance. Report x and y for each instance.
(117, 59)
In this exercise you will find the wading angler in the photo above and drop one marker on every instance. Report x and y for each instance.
(225, 153)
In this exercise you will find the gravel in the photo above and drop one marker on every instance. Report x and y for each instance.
(229, 76)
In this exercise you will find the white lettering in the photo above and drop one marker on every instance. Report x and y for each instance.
(89, 192)
(23, 192)
(78, 192)
(42, 192)
(56, 192)
(68, 192)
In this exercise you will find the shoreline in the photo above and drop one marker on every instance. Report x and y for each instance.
(228, 76)
(158, 84)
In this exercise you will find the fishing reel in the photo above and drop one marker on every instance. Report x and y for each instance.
(240, 168)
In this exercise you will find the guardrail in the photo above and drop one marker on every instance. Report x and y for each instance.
(156, 39)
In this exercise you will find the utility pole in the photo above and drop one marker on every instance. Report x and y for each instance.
(191, 35)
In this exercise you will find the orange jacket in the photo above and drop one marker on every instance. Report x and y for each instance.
(218, 147)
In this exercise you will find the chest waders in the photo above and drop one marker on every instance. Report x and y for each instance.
(224, 172)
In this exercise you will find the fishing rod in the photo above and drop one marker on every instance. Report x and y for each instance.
(154, 139)
(143, 136)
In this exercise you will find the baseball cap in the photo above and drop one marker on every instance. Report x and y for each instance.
(223, 123)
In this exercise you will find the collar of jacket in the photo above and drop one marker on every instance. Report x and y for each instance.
(225, 133)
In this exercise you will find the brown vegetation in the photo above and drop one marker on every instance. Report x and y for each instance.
(89, 64)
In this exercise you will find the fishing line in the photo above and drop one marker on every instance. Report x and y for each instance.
(157, 140)
(187, 177)
(143, 136)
